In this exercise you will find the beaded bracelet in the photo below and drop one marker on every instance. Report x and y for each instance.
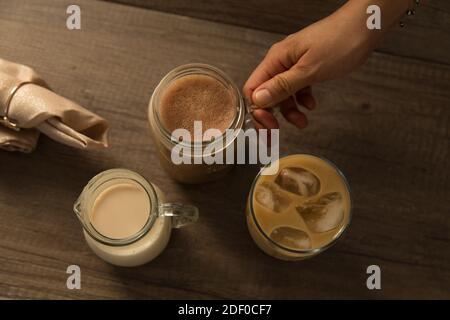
(411, 11)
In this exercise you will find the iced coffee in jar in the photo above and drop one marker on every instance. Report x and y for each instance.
(125, 218)
(190, 93)
(301, 210)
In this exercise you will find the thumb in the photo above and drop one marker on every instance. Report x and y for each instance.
(280, 87)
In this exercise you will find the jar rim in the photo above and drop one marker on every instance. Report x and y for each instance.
(99, 180)
(313, 251)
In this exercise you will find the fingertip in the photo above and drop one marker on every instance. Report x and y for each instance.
(256, 122)
(295, 117)
(262, 98)
(265, 118)
(307, 100)
(301, 120)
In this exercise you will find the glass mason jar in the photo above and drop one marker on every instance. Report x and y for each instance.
(148, 242)
(280, 251)
(192, 172)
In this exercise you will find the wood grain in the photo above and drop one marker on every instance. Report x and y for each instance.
(387, 126)
(426, 35)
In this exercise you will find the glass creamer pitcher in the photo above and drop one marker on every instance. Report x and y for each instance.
(126, 219)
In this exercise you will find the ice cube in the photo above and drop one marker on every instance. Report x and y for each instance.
(324, 214)
(291, 238)
(268, 197)
(298, 181)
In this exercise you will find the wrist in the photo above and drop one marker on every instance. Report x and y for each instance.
(391, 11)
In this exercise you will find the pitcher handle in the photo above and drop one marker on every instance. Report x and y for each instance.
(181, 214)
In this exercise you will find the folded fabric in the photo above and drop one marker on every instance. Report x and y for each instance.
(24, 140)
(28, 106)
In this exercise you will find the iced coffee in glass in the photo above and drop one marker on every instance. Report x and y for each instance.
(195, 92)
(301, 210)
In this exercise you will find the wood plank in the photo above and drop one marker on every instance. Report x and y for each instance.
(387, 126)
(426, 35)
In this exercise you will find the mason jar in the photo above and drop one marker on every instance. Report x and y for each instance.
(145, 244)
(191, 172)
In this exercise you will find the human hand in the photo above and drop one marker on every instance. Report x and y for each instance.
(327, 49)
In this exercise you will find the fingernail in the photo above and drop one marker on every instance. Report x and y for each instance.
(262, 97)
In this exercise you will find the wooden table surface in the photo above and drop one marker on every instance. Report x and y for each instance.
(387, 126)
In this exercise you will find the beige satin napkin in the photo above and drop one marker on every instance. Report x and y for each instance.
(28, 106)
